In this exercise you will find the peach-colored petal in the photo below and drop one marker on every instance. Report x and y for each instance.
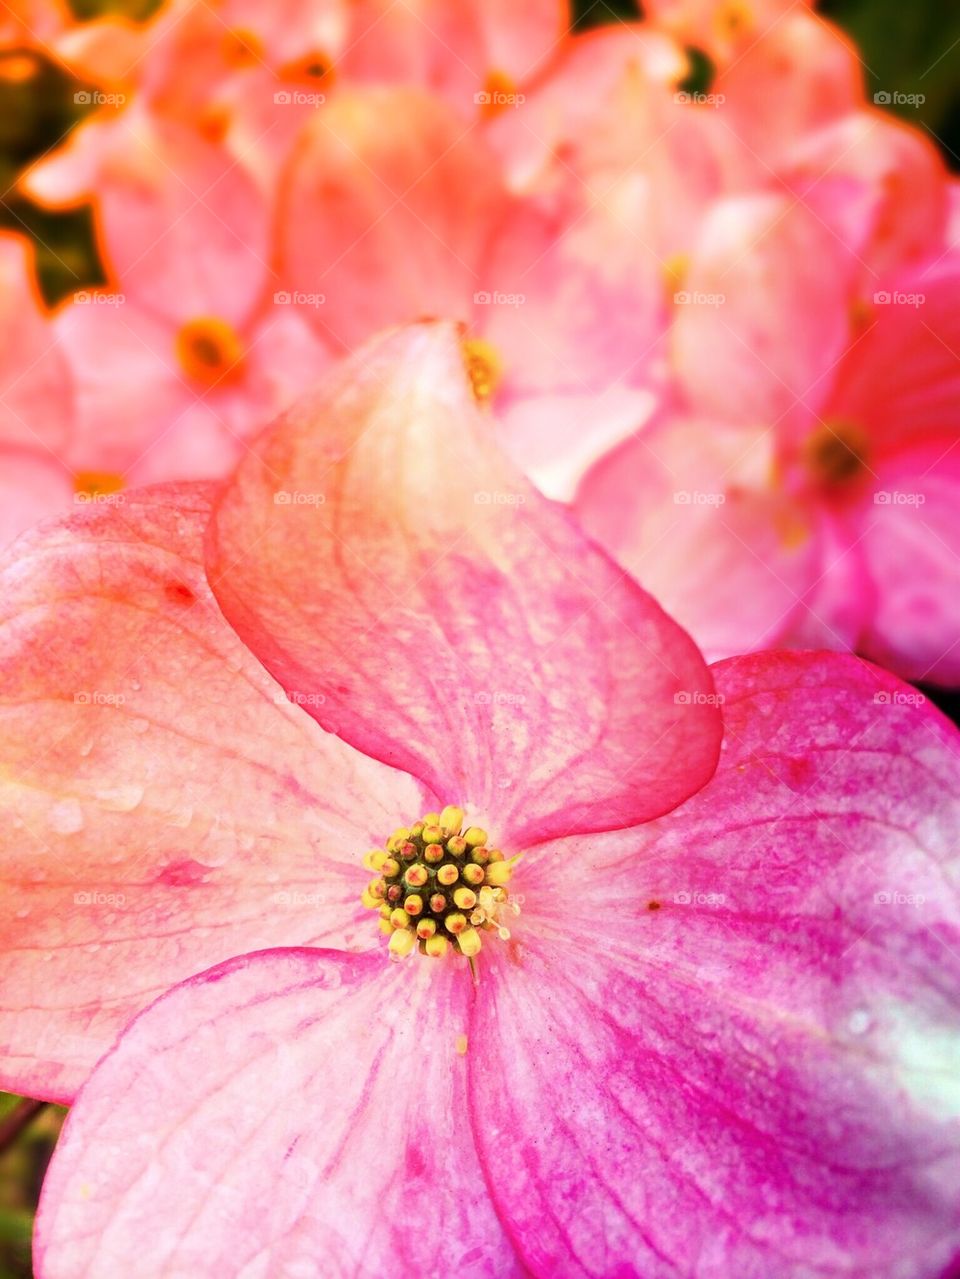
(166, 806)
(377, 545)
(294, 1112)
(387, 208)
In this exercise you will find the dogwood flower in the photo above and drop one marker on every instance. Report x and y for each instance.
(168, 806)
(803, 484)
(718, 1040)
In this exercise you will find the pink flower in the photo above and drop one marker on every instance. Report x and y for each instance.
(393, 211)
(513, 669)
(726, 29)
(715, 1041)
(190, 347)
(804, 484)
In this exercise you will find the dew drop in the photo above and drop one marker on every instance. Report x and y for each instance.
(66, 818)
(120, 799)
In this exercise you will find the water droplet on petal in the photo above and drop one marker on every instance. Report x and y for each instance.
(120, 799)
(66, 818)
(859, 1021)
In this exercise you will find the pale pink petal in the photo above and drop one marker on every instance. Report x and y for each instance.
(910, 540)
(901, 380)
(161, 190)
(880, 185)
(388, 206)
(691, 511)
(196, 443)
(294, 1112)
(461, 628)
(165, 805)
(763, 311)
(726, 1044)
(843, 596)
(36, 405)
(128, 386)
(567, 109)
(33, 486)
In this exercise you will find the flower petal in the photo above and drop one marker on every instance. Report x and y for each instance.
(36, 406)
(165, 807)
(161, 190)
(911, 545)
(32, 488)
(688, 509)
(375, 545)
(327, 1086)
(763, 310)
(387, 208)
(759, 1077)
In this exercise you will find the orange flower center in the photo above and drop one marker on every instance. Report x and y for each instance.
(209, 350)
(242, 48)
(313, 67)
(91, 484)
(499, 92)
(438, 887)
(835, 455)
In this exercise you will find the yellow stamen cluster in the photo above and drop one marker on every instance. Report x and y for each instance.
(484, 367)
(438, 887)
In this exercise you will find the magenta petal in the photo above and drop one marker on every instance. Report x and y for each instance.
(758, 1077)
(376, 547)
(165, 806)
(294, 1113)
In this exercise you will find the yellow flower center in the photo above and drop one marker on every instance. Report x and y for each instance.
(209, 350)
(484, 367)
(97, 483)
(438, 887)
(835, 454)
